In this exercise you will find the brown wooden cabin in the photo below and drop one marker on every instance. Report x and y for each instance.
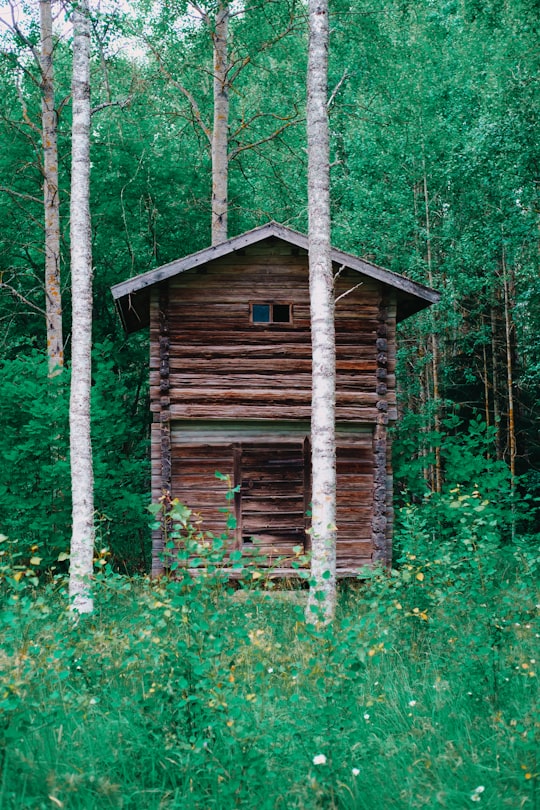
(230, 389)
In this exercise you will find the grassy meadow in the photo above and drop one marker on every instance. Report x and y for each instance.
(192, 694)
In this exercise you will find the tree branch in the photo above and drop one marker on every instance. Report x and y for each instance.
(244, 147)
(194, 106)
(17, 294)
(347, 292)
(123, 102)
(336, 89)
(19, 194)
(24, 108)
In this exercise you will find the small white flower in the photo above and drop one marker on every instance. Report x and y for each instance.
(475, 795)
(93, 701)
(319, 759)
(270, 670)
(366, 716)
(412, 702)
(355, 771)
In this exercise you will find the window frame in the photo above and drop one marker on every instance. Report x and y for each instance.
(271, 305)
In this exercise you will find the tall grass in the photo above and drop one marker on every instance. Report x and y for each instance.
(423, 693)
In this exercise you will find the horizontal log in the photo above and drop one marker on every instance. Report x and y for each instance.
(266, 411)
(347, 349)
(264, 486)
(282, 504)
(355, 380)
(260, 395)
(286, 522)
(258, 365)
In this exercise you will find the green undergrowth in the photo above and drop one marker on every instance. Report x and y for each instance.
(193, 694)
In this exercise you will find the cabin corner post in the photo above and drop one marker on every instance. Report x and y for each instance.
(382, 548)
(163, 431)
(379, 525)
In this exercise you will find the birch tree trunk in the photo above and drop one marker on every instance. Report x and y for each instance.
(220, 133)
(82, 484)
(53, 296)
(322, 592)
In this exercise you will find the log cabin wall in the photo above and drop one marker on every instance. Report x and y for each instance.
(237, 397)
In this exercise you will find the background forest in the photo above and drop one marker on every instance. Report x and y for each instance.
(186, 693)
(434, 175)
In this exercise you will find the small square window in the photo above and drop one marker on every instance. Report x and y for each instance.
(260, 313)
(271, 313)
(281, 313)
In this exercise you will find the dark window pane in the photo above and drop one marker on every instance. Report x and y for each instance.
(282, 313)
(260, 313)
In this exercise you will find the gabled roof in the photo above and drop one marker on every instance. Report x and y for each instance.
(132, 296)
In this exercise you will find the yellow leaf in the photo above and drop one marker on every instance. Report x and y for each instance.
(420, 576)
(18, 576)
(63, 556)
(250, 697)
(35, 560)
(256, 575)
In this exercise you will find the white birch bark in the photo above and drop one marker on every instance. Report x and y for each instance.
(322, 593)
(220, 132)
(82, 484)
(53, 297)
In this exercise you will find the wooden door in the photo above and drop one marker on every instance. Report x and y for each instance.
(275, 489)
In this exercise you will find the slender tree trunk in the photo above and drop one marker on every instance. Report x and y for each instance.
(509, 373)
(220, 132)
(433, 340)
(495, 382)
(82, 483)
(53, 297)
(322, 593)
(486, 383)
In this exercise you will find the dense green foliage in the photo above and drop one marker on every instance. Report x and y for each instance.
(34, 477)
(188, 694)
(435, 165)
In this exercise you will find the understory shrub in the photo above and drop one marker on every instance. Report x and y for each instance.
(35, 486)
(187, 693)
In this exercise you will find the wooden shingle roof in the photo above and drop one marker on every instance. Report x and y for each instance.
(132, 296)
